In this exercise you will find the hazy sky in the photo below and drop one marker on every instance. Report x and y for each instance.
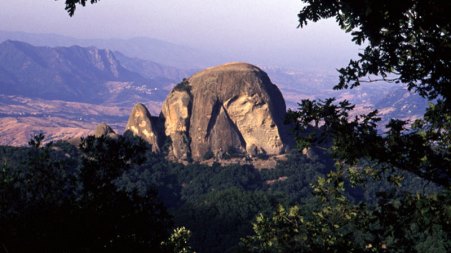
(258, 31)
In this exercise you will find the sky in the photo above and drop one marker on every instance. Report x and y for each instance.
(257, 31)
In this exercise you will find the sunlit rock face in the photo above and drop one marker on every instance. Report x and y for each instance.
(176, 112)
(229, 108)
(141, 124)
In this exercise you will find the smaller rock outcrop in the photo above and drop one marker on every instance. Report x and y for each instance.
(142, 124)
(103, 129)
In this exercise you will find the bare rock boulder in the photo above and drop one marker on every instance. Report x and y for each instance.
(234, 106)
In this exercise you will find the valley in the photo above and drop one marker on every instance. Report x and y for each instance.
(45, 89)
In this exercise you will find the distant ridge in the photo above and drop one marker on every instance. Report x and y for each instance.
(151, 49)
(69, 73)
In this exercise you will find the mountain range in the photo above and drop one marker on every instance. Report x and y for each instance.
(66, 91)
(149, 49)
(79, 74)
(77, 87)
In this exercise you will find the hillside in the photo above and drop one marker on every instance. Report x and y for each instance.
(66, 91)
(392, 100)
(72, 74)
(80, 83)
(149, 49)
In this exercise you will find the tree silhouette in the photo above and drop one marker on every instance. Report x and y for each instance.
(71, 5)
(409, 42)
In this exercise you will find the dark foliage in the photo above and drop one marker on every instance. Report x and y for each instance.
(71, 5)
(422, 151)
(118, 220)
(218, 203)
(56, 198)
(410, 41)
(103, 197)
(407, 41)
(36, 197)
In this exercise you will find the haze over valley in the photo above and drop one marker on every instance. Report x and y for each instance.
(62, 87)
(115, 54)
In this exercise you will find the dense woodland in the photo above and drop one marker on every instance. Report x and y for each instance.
(361, 191)
(113, 194)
